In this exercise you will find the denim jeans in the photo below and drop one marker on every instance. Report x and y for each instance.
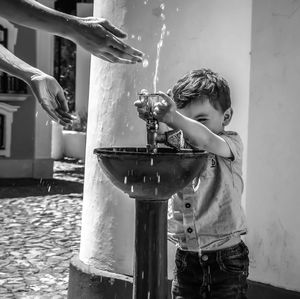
(216, 274)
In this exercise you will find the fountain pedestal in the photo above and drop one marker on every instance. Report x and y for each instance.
(150, 178)
(150, 261)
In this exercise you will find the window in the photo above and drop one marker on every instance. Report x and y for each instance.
(2, 130)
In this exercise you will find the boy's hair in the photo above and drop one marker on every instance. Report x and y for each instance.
(203, 82)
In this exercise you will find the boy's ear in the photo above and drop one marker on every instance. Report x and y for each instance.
(227, 116)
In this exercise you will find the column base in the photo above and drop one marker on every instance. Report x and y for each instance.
(88, 282)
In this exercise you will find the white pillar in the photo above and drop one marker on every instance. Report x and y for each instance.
(194, 39)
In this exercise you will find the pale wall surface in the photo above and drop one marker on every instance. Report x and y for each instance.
(213, 34)
(273, 155)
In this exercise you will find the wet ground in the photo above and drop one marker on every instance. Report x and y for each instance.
(40, 222)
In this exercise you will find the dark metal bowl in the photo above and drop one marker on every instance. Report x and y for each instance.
(145, 175)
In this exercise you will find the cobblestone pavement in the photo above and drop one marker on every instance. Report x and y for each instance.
(40, 222)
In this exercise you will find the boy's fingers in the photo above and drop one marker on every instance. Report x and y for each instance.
(165, 97)
(170, 93)
(139, 104)
(144, 91)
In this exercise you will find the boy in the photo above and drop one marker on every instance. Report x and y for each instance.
(206, 219)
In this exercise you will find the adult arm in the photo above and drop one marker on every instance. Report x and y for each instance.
(44, 87)
(96, 35)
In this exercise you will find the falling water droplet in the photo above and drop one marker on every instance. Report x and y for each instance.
(162, 6)
(151, 162)
(142, 274)
(128, 93)
(148, 295)
(125, 180)
(132, 36)
(144, 179)
(145, 63)
(177, 9)
(156, 191)
(37, 113)
(111, 281)
(49, 188)
(131, 188)
(168, 33)
(139, 37)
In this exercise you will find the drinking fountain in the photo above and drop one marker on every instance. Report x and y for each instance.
(150, 175)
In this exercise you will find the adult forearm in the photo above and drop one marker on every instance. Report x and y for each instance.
(32, 14)
(14, 66)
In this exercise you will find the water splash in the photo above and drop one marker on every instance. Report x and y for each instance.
(145, 62)
(159, 45)
(158, 178)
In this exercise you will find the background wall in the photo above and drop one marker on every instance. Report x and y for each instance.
(273, 148)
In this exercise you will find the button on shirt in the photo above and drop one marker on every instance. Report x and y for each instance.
(208, 212)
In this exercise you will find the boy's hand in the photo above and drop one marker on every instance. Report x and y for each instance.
(141, 106)
(164, 109)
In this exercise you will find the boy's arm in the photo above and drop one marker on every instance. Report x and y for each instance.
(199, 135)
(96, 35)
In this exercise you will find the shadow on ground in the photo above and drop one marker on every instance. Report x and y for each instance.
(68, 178)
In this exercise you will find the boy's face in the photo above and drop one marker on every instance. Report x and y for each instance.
(202, 111)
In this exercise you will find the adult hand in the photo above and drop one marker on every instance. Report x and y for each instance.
(51, 97)
(102, 39)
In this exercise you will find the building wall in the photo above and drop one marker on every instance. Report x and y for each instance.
(273, 148)
(22, 146)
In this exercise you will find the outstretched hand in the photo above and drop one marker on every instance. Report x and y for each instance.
(102, 39)
(51, 97)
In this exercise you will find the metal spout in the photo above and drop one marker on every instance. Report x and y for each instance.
(152, 131)
(151, 122)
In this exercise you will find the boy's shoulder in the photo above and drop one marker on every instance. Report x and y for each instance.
(235, 143)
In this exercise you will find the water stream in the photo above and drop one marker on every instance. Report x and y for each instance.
(159, 45)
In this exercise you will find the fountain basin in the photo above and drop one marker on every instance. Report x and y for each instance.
(145, 175)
